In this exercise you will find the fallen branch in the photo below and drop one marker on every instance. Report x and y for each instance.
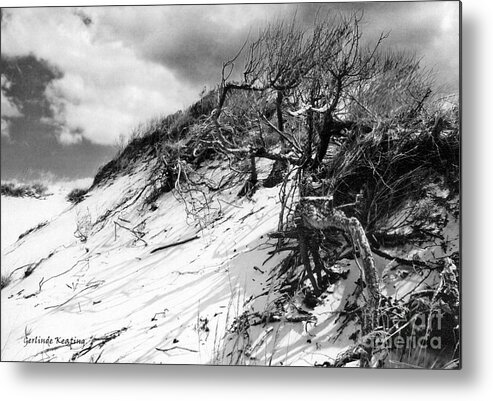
(137, 234)
(272, 318)
(283, 249)
(284, 234)
(258, 342)
(397, 259)
(242, 219)
(98, 342)
(175, 347)
(72, 297)
(175, 244)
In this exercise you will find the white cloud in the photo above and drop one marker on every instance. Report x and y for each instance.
(106, 89)
(68, 138)
(5, 128)
(9, 109)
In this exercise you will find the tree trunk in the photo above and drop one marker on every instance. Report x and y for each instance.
(308, 149)
(250, 185)
(327, 128)
(325, 135)
(303, 240)
(277, 172)
(313, 245)
(280, 120)
(253, 170)
(276, 175)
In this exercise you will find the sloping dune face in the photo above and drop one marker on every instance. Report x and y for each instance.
(124, 297)
(113, 279)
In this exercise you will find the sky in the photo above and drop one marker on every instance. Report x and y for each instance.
(76, 79)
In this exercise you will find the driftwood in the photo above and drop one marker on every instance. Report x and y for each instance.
(318, 213)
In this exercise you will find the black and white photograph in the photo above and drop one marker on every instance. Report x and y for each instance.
(269, 185)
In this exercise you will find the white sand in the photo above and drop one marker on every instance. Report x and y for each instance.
(171, 306)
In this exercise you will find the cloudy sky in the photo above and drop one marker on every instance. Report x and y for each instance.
(74, 79)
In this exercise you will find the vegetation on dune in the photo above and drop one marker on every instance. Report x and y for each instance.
(147, 140)
(35, 190)
(357, 135)
(4, 281)
(33, 229)
(77, 195)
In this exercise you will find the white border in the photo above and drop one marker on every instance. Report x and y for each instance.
(89, 382)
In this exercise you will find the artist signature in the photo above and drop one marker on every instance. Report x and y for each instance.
(50, 341)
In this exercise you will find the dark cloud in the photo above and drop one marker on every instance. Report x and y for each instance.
(41, 152)
(29, 77)
(33, 146)
(198, 53)
(194, 41)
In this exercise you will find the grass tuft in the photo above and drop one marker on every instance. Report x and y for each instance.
(77, 195)
(4, 281)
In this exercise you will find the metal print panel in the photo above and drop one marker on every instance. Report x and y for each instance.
(265, 184)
